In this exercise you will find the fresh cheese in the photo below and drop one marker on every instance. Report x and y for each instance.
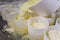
(54, 35)
(30, 13)
(38, 24)
(25, 7)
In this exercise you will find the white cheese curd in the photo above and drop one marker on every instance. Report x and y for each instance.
(38, 24)
(54, 35)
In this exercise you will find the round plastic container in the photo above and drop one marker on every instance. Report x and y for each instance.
(6, 9)
(22, 26)
(10, 20)
(19, 26)
(37, 34)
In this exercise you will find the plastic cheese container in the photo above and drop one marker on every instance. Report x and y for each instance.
(37, 26)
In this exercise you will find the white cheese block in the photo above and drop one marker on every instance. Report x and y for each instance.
(38, 24)
(54, 35)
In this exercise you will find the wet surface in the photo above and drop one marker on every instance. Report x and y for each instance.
(2, 24)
